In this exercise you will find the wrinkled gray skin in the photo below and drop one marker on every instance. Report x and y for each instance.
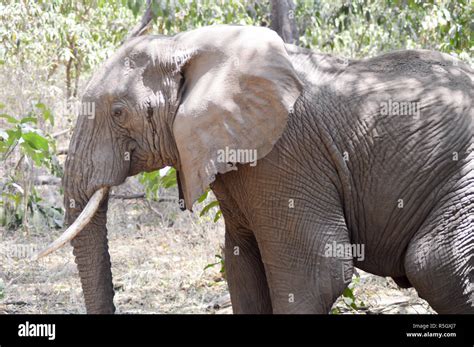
(341, 165)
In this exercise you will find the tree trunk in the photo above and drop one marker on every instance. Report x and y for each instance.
(283, 20)
(90, 246)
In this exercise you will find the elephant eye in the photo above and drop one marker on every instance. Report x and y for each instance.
(117, 112)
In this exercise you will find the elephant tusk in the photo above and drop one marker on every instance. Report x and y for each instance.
(76, 227)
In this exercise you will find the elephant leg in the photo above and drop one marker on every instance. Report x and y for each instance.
(440, 258)
(245, 272)
(305, 267)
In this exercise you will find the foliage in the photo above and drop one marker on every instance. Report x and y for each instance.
(46, 47)
(31, 140)
(35, 149)
(207, 208)
(174, 16)
(349, 299)
(74, 35)
(356, 29)
(363, 28)
(153, 181)
(220, 262)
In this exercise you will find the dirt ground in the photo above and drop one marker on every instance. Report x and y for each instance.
(159, 255)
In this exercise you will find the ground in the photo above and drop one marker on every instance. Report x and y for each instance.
(159, 255)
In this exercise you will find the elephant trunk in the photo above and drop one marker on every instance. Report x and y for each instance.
(93, 263)
(90, 245)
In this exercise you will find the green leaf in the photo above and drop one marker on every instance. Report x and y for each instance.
(169, 179)
(36, 141)
(47, 114)
(29, 120)
(151, 181)
(208, 207)
(219, 262)
(135, 7)
(211, 265)
(217, 216)
(31, 153)
(203, 196)
(13, 135)
(155, 9)
(9, 118)
(347, 293)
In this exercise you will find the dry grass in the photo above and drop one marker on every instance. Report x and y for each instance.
(156, 268)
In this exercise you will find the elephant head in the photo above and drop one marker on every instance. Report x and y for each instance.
(169, 101)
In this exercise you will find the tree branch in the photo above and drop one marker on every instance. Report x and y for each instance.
(145, 23)
(140, 196)
(60, 133)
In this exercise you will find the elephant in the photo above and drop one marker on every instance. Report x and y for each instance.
(320, 164)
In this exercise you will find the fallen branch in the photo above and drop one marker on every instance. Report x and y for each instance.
(19, 303)
(60, 133)
(127, 197)
(140, 196)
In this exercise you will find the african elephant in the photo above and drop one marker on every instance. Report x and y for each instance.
(308, 155)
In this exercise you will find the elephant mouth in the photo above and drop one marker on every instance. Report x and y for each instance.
(81, 221)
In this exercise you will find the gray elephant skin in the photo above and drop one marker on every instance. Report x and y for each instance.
(310, 157)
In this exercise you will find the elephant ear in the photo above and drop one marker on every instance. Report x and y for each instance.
(239, 87)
